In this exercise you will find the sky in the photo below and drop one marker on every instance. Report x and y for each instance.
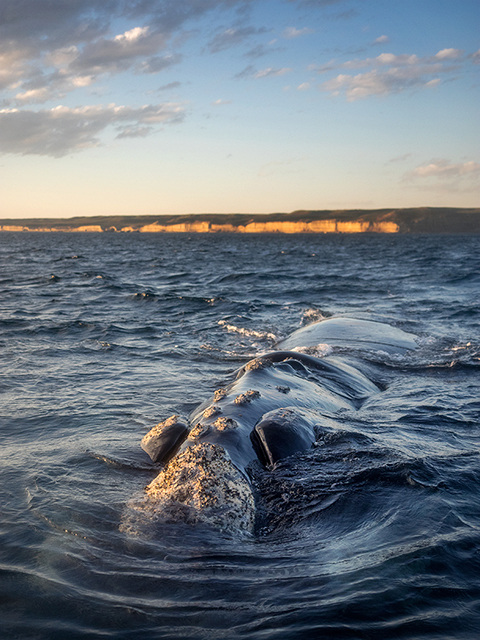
(134, 107)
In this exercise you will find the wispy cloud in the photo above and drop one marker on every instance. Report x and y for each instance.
(373, 83)
(401, 158)
(233, 37)
(389, 73)
(443, 177)
(271, 71)
(36, 26)
(169, 86)
(62, 130)
(48, 49)
(381, 40)
(117, 54)
(443, 169)
(318, 3)
(292, 32)
(251, 72)
(391, 59)
(69, 68)
(448, 54)
(247, 72)
(261, 50)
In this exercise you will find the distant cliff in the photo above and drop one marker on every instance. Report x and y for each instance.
(417, 220)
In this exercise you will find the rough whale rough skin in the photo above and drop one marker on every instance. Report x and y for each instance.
(274, 408)
(203, 479)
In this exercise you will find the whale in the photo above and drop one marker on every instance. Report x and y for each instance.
(277, 405)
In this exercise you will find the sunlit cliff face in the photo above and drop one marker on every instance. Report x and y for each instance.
(316, 226)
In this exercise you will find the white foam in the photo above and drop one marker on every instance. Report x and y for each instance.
(319, 350)
(461, 347)
(262, 335)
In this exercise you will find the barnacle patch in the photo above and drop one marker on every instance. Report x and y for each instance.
(257, 363)
(199, 430)
(248, 396)
(204, 479)
(225, 424)
(213, 410)
(220, 394)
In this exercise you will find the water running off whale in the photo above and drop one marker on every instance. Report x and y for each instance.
(276, 406)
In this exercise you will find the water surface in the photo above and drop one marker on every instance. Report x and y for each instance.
(372, 534)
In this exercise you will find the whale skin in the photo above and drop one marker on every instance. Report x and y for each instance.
(275, 407)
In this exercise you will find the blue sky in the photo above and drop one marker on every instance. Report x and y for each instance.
(185, 106)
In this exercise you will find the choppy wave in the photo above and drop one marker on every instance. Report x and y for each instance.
(374, 533)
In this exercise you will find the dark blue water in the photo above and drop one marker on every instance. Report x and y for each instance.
(374, 534)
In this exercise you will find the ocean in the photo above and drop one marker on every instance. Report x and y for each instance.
(373, 535)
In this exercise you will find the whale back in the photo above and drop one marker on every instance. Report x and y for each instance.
(351, 333)
(276, 406)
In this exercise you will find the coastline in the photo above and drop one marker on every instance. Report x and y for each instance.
(415, 220)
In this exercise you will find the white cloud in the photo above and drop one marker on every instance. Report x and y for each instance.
(62, 130)
(371, 83)
(33, 95)
(444, 177)
(381, 40)
(389, 73)
(391, 59)
(62, 57)
(220, 102)
(13, 68)
(117, 54)
(134, 34)
(39, 26)
(71, 37)
(75, 68)
(304, 86)
(81, 81)
(384, 59)
(444, 169)
(449, 54)
(400, 60)
(292, 32)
